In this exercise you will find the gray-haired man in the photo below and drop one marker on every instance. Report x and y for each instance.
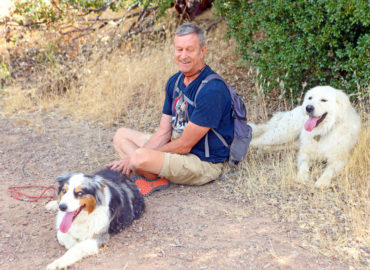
(176, 151)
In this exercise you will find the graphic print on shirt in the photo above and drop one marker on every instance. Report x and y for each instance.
(181, 117)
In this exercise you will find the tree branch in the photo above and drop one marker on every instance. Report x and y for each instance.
(83, 29)
(139, 20)
(214, 23)
(89, 10)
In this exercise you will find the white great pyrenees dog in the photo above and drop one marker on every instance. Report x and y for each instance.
(326, 126)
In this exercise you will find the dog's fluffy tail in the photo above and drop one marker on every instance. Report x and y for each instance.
(283, 127)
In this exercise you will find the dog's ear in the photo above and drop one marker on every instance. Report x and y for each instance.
(342, 100)
(61, 179)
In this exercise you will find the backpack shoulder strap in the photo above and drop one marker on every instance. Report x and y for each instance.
(176, 87)
(213, 76)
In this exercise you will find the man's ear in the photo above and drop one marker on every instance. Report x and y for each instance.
(203, 50)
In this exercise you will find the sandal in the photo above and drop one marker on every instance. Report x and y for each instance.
(147, 186)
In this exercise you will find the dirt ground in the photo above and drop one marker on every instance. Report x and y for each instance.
(183, 227)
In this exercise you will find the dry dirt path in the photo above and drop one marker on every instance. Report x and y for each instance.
(182, 228)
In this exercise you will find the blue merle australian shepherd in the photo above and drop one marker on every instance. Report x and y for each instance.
(90, 208)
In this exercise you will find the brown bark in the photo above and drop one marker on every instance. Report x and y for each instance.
(191, 8)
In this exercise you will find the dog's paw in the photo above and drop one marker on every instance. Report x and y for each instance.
(52, 266)
(323, 181)
(52, 205)
(302, 178)
(57, 264)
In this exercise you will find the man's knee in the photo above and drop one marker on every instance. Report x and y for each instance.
(139, 159)
(120, 135)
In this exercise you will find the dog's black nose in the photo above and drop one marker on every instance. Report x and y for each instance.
(62, 207)
(310, 108)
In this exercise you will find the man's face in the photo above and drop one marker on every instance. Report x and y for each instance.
(189, 57)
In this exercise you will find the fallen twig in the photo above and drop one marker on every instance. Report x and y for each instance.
(214, 23)
(142, 31)
(22, 171)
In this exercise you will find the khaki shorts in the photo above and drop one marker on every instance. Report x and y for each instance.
(189, 169)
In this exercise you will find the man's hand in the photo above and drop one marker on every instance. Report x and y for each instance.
(122, 165)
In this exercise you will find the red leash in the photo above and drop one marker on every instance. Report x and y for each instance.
(15, 192)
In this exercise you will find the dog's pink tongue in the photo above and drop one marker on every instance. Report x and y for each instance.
(66, 222)
(311, 123)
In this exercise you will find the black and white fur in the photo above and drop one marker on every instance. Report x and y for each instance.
(100, 204)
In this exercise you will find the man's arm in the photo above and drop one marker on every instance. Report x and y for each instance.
(160, 140)
(191, 135)
(162, 135)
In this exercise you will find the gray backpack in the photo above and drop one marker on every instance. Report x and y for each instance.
(242, 131)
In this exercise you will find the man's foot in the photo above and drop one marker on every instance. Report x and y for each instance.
(147, 186)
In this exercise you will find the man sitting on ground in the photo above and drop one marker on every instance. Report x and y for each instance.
(177, 150)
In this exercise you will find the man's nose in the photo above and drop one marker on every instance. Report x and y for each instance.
(184, 54)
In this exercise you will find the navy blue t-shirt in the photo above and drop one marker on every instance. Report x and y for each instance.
(213, 110)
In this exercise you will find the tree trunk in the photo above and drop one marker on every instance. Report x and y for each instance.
(191, 8)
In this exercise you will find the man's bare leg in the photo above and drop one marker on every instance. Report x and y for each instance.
(126, 141)
(147, 162)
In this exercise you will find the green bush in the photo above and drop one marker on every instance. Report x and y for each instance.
(35, 13)
(302, 42)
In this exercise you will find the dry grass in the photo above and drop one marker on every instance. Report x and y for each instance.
(334, 221)
(126, 87)
(112, 87)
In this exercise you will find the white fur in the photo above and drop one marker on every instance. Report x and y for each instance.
(82, 238)
(75, 253)
(332, 140)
